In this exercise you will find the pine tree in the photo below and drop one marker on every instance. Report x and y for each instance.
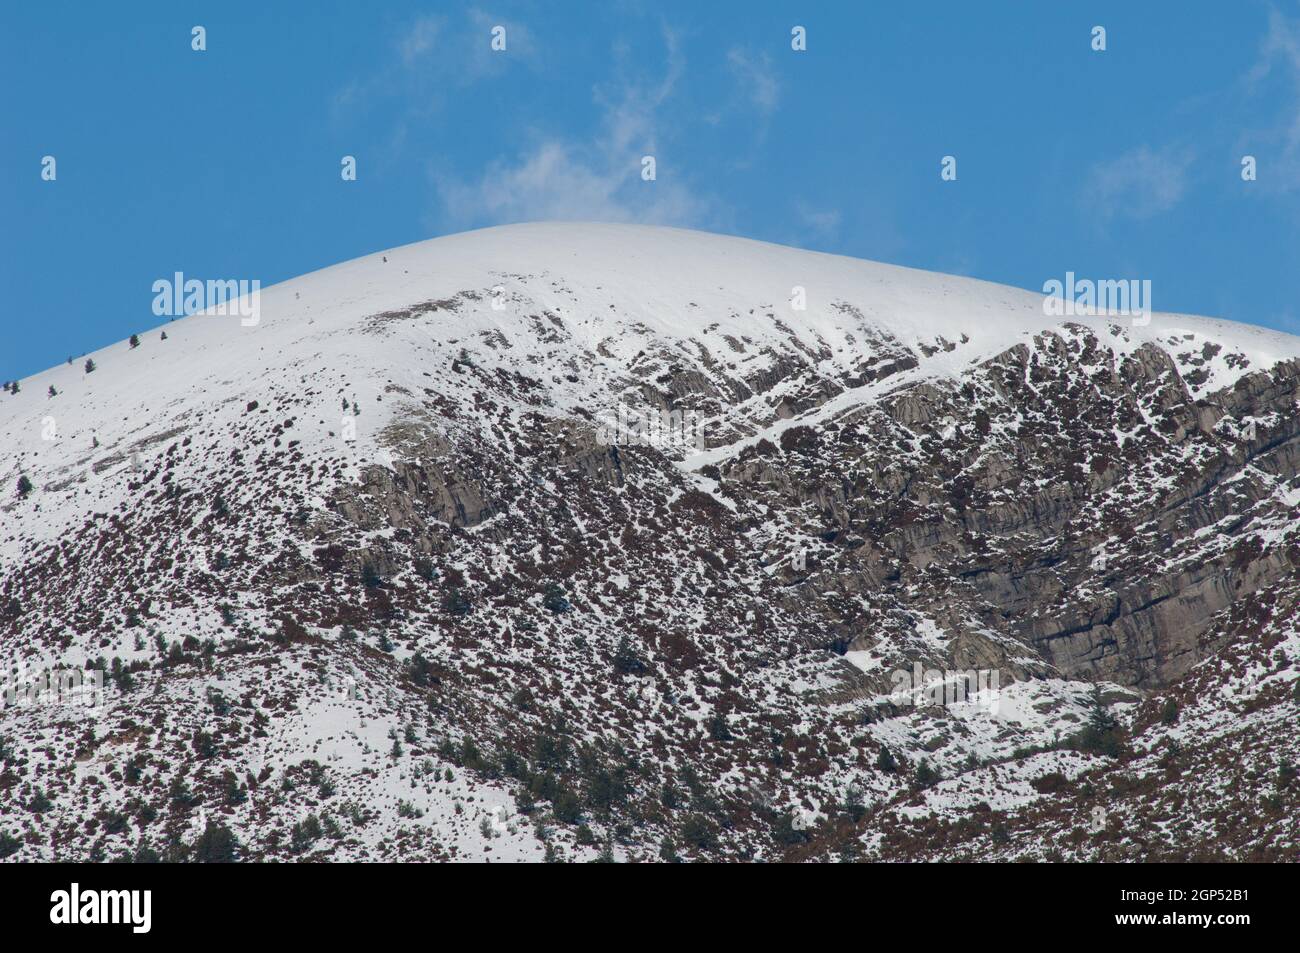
(926, 775)
(24, 487)
(626, 660)
(855, 803)
(885, 761)
(1102, 734)
(455, 603)
(216, 845)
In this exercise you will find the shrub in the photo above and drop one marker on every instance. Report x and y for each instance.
(305, 833)
(566, 807)
(455, 603)
(699, 833)
(8, 845)
(555, 599)
(1049, 783)
(627, 661)
(420, 670)
(205, 746)
(789, 831)
(134, 769)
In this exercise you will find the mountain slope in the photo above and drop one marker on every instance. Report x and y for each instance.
(387, 575)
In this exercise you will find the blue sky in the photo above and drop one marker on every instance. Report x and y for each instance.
(225, 163)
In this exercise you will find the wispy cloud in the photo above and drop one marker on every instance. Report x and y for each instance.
(418, 39)
(819, 224)
(598, 179)
(1138, 184)
(561, 181)
(430, 55)
(1279, 60)
(756, 77)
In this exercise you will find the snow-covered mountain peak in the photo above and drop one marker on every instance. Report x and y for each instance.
(402, 545)
(598, 298)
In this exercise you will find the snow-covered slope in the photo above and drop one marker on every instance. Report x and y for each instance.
(374, 561)
(612, 289)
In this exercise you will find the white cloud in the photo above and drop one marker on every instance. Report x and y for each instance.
(1139, 184)
(558, 181)
(561, 178)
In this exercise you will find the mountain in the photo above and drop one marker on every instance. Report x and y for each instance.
(573, 541)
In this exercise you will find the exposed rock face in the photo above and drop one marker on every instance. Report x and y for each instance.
(418, 562)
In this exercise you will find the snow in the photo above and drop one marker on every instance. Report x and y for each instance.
(670, 284)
